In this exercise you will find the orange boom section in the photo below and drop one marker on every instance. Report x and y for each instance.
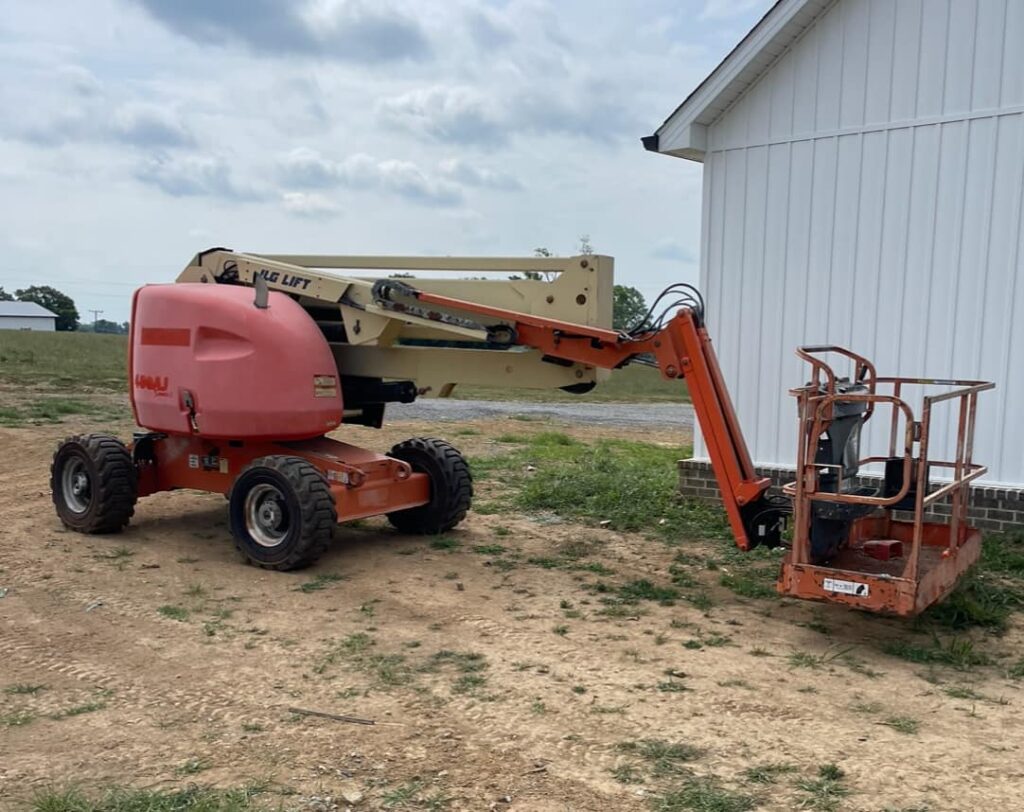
(205, 362)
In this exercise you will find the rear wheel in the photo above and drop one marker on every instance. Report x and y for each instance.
(282, 513)
(93, 482)
(451, 486)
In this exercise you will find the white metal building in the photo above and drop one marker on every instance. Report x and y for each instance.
(26, 316)
(863, 176)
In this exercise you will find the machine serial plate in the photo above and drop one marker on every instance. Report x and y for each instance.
(847, 587)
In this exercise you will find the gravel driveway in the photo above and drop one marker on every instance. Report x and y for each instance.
(606, 414)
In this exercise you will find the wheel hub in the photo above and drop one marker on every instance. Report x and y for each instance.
(76, 486)
(270, 515)
(266, 515)
(80, 484)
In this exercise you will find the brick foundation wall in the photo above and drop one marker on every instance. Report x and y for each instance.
(991, 509)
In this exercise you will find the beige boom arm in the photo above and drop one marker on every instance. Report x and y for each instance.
(371, 341)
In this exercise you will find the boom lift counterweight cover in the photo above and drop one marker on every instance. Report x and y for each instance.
(240, 370)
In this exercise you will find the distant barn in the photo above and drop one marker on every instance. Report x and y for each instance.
(26, 316)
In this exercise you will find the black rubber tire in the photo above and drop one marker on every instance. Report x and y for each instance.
(111, 481)
(451, 486)
(307, 504)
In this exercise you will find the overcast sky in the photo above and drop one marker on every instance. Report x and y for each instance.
(134, 133)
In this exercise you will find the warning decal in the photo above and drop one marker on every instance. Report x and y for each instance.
(847, 587)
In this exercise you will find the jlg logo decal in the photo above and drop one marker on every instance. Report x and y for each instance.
(154, 383)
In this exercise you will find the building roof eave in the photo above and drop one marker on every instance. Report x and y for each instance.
(684, 133)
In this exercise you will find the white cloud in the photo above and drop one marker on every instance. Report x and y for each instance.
(468, 174)
(188, 175)
(147, 125)
(309, 204)
(306, 168)
(457, 115)
(363, 31)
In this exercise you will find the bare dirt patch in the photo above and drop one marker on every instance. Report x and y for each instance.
(512, 664)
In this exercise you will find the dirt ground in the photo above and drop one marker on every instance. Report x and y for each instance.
(165, 660)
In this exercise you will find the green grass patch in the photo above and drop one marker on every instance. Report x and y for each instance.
(903, 724)
(702, 795)
(179, 613)
(79, 710)
(94, 360)
(989, 593)
(758, 583)
(47, 410)
(826, 792)
(488, 549)
(631, 485)
(351, 647)
(319, 582)
(644, 590)
(767, 773)
(410, 795)
(23, 689)
(628, 774)
(659, 756)
(18, 718)
(957, 652)
(467, 662)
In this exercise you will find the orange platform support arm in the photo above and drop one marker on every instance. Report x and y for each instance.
(681, 348)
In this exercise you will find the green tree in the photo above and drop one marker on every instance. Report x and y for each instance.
(54, 301)
(5, 296)
(628, 307)
(105, 326)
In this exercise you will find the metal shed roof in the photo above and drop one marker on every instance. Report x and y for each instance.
(684, 133)
(25, 310)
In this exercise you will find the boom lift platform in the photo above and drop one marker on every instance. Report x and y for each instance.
(240, 370)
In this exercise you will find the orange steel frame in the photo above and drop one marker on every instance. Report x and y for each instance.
(682, 349)
(950, 549)
(362, 482)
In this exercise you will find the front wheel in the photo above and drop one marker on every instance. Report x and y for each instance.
(94, 484)
(451, 486)
(282, 513)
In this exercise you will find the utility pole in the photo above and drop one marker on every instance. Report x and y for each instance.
(95, 317)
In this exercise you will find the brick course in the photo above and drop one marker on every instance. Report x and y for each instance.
(992, 509)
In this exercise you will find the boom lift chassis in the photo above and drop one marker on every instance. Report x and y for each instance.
(851, 543)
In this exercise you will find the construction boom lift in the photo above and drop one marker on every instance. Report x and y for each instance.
(241, 369)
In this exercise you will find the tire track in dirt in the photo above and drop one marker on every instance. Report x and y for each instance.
(151, 686)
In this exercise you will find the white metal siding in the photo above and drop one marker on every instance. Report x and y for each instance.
(867, 191)
(27, 323)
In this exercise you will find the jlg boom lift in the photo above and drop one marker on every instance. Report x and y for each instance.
(241, 370)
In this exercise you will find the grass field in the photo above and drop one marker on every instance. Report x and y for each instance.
(61, 360)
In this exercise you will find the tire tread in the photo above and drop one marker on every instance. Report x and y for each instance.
(318, 513)
(451, 486)
(115, 486)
